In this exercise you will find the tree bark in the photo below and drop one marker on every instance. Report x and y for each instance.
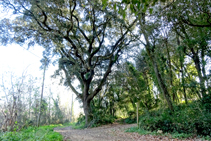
(87, 111)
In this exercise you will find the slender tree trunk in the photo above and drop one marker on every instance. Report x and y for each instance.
(71, 110)
(30, 104)
(35, 109)
(38, 121)
(170, 73)
(181, 53)
(183, 85)
(137, 114)
(49, 112)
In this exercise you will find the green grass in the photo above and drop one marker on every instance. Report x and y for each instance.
(43, 133)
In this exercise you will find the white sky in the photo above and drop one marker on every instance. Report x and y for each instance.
(16, 59)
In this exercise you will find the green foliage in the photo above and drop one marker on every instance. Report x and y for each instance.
(80, 124)
(44, 133)
(128, 120)
(206, 101)
(80, 119)
(101, 120)
(191, 119)
(101, 116)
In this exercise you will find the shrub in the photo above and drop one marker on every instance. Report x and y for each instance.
(191, 119)
(130, 120)
(206, 102)
(80, 119)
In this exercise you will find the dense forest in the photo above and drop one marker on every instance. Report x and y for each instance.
(151, 57)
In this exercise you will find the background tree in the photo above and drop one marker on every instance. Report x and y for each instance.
(20, 101)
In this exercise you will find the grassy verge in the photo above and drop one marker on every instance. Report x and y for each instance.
(170, 135)
(43, 133)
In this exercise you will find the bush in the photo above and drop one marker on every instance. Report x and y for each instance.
(80, 119)
(130, 120)
(206, 102)
(190, 119)
(101, 120)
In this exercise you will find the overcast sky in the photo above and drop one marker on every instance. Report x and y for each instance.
(16, 59)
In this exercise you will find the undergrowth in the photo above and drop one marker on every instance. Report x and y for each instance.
(192, 119)
(43, 133)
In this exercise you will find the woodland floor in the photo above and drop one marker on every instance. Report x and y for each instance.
(112, 132)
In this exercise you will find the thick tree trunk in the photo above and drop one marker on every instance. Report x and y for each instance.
(183, 86)
(87, 112)
(204, 71)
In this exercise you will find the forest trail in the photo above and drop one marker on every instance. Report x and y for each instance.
(111, 132)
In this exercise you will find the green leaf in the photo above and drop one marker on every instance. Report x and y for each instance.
(104, 2)
(150, 10)
(132, 8)
(134, 1)
(145, 8)
(124, 14)
(115, 6)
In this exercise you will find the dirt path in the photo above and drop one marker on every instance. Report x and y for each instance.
(112, 132)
